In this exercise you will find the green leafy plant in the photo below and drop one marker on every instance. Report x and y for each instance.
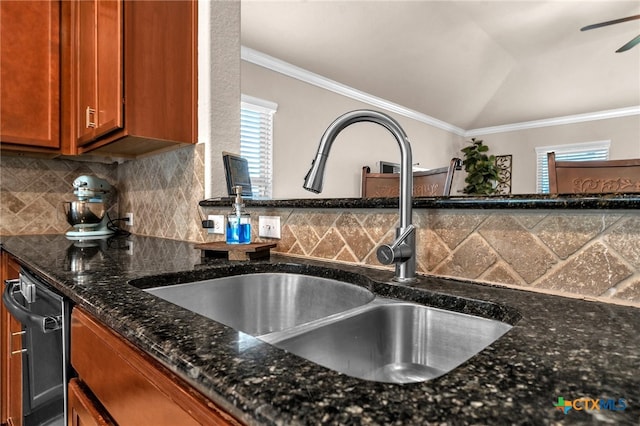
(482, 172)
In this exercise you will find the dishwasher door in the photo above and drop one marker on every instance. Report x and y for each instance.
(44, 317)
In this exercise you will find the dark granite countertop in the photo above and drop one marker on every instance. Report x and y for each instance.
(519, 201)
(558, 347)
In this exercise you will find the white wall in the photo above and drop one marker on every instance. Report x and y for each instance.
(218, 88)
(305, 111)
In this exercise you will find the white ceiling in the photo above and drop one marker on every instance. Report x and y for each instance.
(472, 63)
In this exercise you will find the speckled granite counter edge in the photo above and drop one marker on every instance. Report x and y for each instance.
(524, 201)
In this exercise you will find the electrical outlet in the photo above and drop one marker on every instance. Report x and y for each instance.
(218, 224)
(129, 219)
(269, 226)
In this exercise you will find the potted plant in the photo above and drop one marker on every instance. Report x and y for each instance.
(482, 172)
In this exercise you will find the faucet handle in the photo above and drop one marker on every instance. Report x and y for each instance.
(398, 251)
(388, 255)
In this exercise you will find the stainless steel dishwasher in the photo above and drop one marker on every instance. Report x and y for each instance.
(44, 316)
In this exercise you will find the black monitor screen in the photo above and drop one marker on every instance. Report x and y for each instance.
(237, 172)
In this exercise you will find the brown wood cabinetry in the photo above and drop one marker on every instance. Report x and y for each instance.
(98, 67)
(110, 77)
(135, 74)
(84, 410)
(132, 386)
(30, 75)
(10, 357)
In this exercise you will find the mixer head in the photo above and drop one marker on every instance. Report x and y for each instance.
(91, 188)
(88, 215)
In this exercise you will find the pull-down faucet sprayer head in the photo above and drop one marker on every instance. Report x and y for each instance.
(315, 176)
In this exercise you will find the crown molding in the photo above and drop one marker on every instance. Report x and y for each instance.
(285, 68)
(557, 121)
(282, 67)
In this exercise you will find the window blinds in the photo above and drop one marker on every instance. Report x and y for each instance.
(588, 151)
(256, 142)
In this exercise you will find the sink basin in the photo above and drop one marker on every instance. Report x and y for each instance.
(263, 303)
(338, 325)
(395, 342)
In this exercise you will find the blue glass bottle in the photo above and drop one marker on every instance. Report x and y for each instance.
(238, 222)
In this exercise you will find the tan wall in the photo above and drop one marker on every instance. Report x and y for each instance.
(305, 111)
(623, 132)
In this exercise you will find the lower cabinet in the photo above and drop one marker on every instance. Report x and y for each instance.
(10, 354)
(84, 410)
(119, 383)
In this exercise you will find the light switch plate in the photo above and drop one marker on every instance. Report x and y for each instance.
(218, 224)
(269, 226)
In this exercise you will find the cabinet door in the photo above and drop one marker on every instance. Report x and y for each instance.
(83, 409)
(98, 26)
(11, 357)
(30, 73)
(85, 48)
(153, 394)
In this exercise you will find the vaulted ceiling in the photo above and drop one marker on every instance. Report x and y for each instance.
(472, 63)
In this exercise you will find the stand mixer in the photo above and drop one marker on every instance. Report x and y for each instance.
(87, 215)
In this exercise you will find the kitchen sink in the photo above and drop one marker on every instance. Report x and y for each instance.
(394, 342)
(341, 326)
(263, 303)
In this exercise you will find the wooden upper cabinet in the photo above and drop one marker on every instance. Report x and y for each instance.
(136, 75)
(110, 77)
(30, 75)
(98, 68)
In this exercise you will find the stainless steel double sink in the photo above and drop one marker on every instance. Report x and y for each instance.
(339, 325)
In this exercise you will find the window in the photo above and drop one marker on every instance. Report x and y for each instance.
(256, 134)
(571, 152)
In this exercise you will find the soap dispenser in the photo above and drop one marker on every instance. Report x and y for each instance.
(238, 221)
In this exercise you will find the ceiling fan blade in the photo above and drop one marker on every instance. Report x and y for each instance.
(604, 24)
(629, 45)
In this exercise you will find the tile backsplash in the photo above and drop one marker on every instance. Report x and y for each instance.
(162, 191)
(586, 254)
(32, 191)
(592, 254)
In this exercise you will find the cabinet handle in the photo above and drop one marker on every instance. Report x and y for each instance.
(89, 116)
(19, 351)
